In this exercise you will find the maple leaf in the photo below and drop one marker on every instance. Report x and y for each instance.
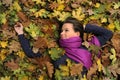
(76, 69)
(33, 30)
(41, 13)
(92, 70)
(7, 34)
(39, 2)
(60, 7)
(77, 13)
(21, 54)
(51, 43)
(14, 46)
(64, 70)
(3, 54)
(53, 5)
(62, 16)
(4, 44)
(116, 5)
(16, 6)
(41, 43)
(12, 65)
(56, 53)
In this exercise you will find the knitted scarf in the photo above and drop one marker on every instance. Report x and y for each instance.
(74, 52)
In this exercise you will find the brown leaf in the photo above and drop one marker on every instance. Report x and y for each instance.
(8, 33)
(41, 61)
(92, 71)
(53, 5)
(90, 12)
(116, 42)
(40, 43)
(13, 65)
(50, 69)
(7, 2)
(27, 3)
(76, 69)
(14, 46)
(51, 43)
(22, 16)
(24, 19)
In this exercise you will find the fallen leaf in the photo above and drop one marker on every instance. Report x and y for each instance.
(41, 43)
(50, 69)
(12, 65)
(76, 69)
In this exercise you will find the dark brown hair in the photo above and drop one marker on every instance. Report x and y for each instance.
(77, 25)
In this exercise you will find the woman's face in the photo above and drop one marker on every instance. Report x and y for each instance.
(68, 31)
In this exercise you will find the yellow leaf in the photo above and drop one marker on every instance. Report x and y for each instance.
(4, 44)
(113, 56)
(111, 26)
(84, 78)
(63, 16)
(103, 20)
(99, 65)
(40, 13)
(21, 54)
(5, 78)
(61, 7)
(16, 6)
(3, 19)
(78, 14)
(64, 68)
(41, 77)
(39, 2)
(2, 54)
(97, 5)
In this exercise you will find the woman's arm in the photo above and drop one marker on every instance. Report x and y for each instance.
(101, 33)
(26, 47)
(24, 42)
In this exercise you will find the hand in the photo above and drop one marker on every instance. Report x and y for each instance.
(18, 28)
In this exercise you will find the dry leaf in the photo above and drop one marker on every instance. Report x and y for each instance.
(40, 43)
(50, 69)
(14, 46)
(92, 70)
(13, 65)
(53, 5)
(76, 69)
(116, 42)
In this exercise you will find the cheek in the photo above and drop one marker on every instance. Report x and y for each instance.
(72, 35)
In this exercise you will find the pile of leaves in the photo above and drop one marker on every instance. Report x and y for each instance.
(40, 19)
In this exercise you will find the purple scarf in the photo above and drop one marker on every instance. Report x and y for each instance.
(73, 50)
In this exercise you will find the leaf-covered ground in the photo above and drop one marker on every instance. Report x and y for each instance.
(40, 19)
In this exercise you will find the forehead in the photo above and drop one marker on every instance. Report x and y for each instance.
(67, 26)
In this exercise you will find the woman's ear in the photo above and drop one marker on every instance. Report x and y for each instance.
(78, 33)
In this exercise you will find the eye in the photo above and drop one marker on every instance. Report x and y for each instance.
(66, 30)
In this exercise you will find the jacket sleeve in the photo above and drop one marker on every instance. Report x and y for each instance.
(101, 33)
(26, 47)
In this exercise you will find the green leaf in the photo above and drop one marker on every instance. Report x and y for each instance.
(33, 30)
(117, 25)
(55, 53)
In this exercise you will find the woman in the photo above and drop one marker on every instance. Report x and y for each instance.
(71, 38)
